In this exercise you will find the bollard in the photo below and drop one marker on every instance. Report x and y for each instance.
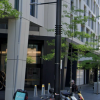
(35, 91)
(43, 90)
(49, 87)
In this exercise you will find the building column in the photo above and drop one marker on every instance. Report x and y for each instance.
(85, 32)
(77, 7)
(90, 4)
(18, 30)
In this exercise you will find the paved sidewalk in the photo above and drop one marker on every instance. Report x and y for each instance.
(88, 93)
(86, 90)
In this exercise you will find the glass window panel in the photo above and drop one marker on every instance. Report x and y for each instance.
(32, 8)
(88, 2)
(3, 26)
(33, 54)
(17, 4)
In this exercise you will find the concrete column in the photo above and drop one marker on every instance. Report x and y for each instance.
(78, 7)
(18, 30)
(96, 27)
(74, 4)
(90, 4)
(95, 8)
(84, 31)
(87, 14)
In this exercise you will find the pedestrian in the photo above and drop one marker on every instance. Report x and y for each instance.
(74, 86)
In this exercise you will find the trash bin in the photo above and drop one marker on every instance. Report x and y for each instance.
(95, 87)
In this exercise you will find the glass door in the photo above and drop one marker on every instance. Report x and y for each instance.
(3, 57)
(33, 66)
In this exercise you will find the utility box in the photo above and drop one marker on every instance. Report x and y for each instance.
(96, 87)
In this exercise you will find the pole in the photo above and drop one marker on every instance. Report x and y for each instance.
(57, 50)
(71, 70)
(71, 57)
(97, 81)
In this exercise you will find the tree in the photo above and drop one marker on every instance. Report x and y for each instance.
(93, 54)
(64, 48)
(29, 60)
(6, 10)
(94, 62)
(70, 30)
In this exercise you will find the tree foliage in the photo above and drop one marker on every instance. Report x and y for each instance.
(6, 10)
(64, 48)
(70, 30)
(93, 53)
(29, 60)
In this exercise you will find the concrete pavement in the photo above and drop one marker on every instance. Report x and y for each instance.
(86, 90)
(88, 93)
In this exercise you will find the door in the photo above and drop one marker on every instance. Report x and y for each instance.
(80, 77)
(33, 65)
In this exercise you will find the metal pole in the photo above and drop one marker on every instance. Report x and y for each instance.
(97, 80)
(71, 56)
(57, 50)
(71, 69)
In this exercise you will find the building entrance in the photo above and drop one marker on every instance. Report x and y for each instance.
(3, 57)
(33, 65)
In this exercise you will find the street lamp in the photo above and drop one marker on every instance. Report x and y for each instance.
(57, 47)
(57, 50)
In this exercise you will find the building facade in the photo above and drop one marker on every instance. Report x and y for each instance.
(24, 40)
(91, 9)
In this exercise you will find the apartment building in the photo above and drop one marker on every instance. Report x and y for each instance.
(27, 36)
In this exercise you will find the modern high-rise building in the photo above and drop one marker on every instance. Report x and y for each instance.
(23, 42)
